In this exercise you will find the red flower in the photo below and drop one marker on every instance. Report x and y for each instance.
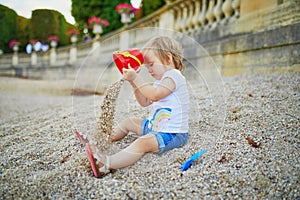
(125, 8)
(97, 20)
(93, 20)
(33, 41)
(53, 37)
(73, 32)
(104, 23)
(12, 43)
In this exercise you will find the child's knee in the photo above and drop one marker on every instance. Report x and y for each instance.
(132, 124)
(147, 143)
(127, 123)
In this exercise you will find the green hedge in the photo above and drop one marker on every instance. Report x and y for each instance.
(149, 6)
(43, 23)
(22, 31)
(8, 24)
(46, 22)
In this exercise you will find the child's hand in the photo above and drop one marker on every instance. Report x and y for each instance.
(129, 74)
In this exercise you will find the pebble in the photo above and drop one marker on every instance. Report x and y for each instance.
(34, 140)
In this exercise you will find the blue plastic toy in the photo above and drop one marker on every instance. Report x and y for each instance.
(188, 163)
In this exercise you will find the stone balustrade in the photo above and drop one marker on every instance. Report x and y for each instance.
(184, 16)
(209, 22)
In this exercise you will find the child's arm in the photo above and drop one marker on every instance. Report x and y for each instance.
(165, 88)
(148, 91)
(141, 99)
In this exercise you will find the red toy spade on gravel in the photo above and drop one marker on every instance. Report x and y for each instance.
(132, 57)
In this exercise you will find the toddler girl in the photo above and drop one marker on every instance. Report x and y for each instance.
(167, 125)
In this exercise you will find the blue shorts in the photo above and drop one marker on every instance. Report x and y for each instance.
(166, 141)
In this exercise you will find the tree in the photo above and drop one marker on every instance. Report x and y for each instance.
(43, 23)
(109, 12)
(22, 31)
(149, 6)
(8, 24)
(83, 10)
(46, 22)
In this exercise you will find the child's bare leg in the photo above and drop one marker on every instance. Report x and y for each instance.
(131, 154)
(101, 163)
(130, 124)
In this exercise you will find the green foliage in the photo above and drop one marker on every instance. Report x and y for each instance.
(8, 24)
(109, 12)
(46, 22)
(62, 30)
(149, 6)
(83, 10)
(22, 31)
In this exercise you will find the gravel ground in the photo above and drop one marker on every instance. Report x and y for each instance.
(42, 159)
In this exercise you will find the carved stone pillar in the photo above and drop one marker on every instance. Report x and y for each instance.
(218, 11)
(73, 55)
(210, 12)
(236, 7)
(184, 17)
(178, 18)
(166, 20)
(33, 58)
(53, 54)
(189, 22)
(196, 18)
(227, 9)
(15, 57)
(202, 16)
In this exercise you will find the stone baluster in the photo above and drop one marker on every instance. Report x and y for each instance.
(178, 18)
(158, 20)
(202, 16)
(73, 50)
(227, 9)
(139, 35)
(210, 12)
(189, 23)
(184, 17)
(218, 11)
(196, 19)
(155, 23)
(152, 22)
(15, 57)
(34, 58)
(170, 22)
(236, 7)
(53, 53)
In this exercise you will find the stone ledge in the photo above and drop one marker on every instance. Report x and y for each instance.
(282, 36)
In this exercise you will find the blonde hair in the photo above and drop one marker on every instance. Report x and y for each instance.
(163, 46)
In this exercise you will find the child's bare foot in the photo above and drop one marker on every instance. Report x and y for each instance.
(113, 138)
(98, 160)
(117, 137)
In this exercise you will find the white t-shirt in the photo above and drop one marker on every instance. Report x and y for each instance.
(171, 114)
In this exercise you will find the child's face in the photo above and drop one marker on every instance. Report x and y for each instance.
(155, 67)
